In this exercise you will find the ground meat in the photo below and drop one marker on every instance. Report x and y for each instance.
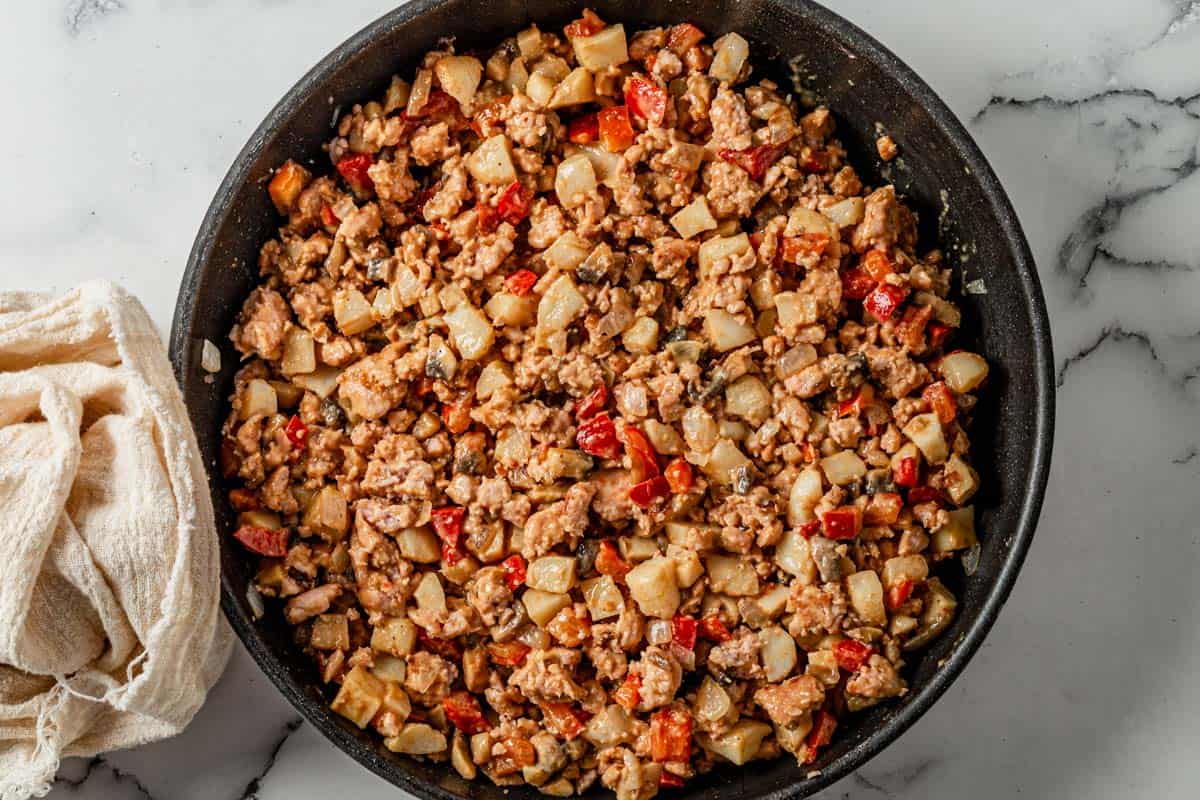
(730, 121)
(558, 523)
(547, 676)
(428, 678)
(748, 520)
(397, 469)
(370, 387)
(816, 609)
(881, 220)
(738, 656)
(896, 371)
(385, 580)
(311, 603)
(263, 325)
(660, 676)
(631, 779)
(490, 595)
(875, 679)
(791, 701)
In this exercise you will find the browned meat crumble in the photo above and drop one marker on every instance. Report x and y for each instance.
(596, 420)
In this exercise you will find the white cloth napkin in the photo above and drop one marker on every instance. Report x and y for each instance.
(110, 626)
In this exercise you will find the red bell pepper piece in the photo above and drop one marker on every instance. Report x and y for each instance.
(328, 218)
(856, 404)
(521, 282)
(513, 203)
(923, 494)
(616, 133)
(904, 473)
(883, 508)
(588, 25)
(877, 264)
(514, 571)
(857, 284)
(646, 99)
(797, 249)
(630, 692)
(851, 654)
(683, 631)
(484, 122)
(508, 654)
(643, 461)
(712, 629)
(941, 401)
(447, 523)
(598, 437)
(488, 217)
(594, 403)
(938, 333)
(563, 720)
(884, 301)
(754, 160)
(898, 595)
(814, 161)
(670, 780)
(679, 476)
(464, 713)
(264, 541)
(584, 129)
(842, 523)
(670, 735)
(456, 416)
(646, 493)
(683, 37)
(820, 735)
(910, 330)
(446, 648)
(609, 561)
(354, 169)
(810, 528)
(296, 431)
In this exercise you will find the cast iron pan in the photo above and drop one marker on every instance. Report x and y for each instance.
(941, 172)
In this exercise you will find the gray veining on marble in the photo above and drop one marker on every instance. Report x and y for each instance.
(128, 112)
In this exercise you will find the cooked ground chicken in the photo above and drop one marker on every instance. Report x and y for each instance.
(594, 408)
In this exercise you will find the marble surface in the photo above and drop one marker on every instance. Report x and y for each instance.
(1090, 112)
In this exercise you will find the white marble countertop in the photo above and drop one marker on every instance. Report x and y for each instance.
(1090, 112)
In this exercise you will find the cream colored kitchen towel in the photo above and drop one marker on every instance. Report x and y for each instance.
(110, 626)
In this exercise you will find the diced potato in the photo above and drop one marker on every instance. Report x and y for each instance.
(723, 462)
(796, 309)
(461, 571)
(602, 50)
(390, 668)
(682, 534)
(688, 568)
(554, 574)
(700, 430)
(773, 601)
(962, 371)
(529, 42)
(299, 353)
(440, 361)
(803, 220)
(451, 296)
(866, 597)
(822, 665)
(352, 312)
(729, 56)
(567, 252)
(846, 212)
(663, 438)
(286, 393)
(574, 90)
(740, 743)
(959, 479)
(561, 304)
(327, 513)
(958, 533)
(912, 568)
(542, 606)
(417, 739)
(843, 468)
(796, 359)
(395, 699)
(330, 632)
(637, 548)
(604, 163)
(429, 304)
(470, 331)
(731, 575)
(418, 95)
(719, 248)
(652, 585)
(360, 697)
(925, 431)
(513, 447)
(725, 331)
(712, 701)
(492, 161)
(518, 77)
(693, 219)
(382, 306)
(494, 375)
(805, 493)
(553, 67)
(508, 309)
(642, 337)
(322, 381)
(603, 598)
(459, 77)
(611, 726)
(420, 545)
(460, 757)
(260, 519)
(394, 635)
(792, 555)
(407, 288)
(778, 653)
(258, 398)
(429, 593)
(575, 181)
(748, 398)
(397, 94)
(540, 88)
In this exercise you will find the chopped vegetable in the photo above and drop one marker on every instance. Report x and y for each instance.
(598, 437)
(264, 541)
(754, 160)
